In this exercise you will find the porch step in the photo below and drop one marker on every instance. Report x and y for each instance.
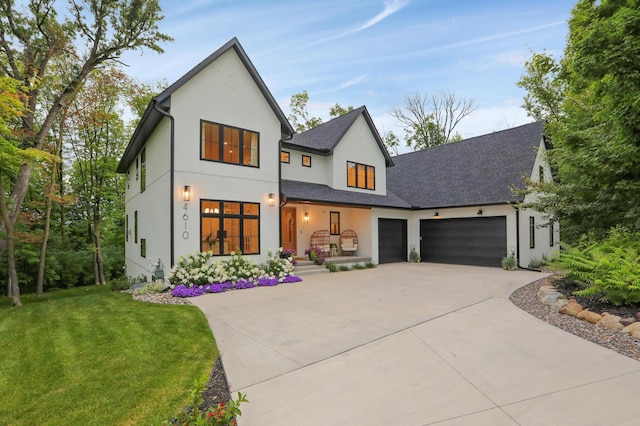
(307, 267)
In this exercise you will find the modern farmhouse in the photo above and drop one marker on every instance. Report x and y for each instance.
(214, 165)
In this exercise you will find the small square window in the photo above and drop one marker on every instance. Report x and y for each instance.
(284, 157)
(306, 161)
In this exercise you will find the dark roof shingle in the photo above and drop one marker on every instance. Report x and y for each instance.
(475, 171)
(314, 192)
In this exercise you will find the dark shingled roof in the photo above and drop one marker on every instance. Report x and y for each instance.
(474, 171)
(323, 139)
(313, 192)
(152, 117)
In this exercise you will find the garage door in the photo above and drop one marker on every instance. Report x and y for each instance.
(478, 241)
(392, 240)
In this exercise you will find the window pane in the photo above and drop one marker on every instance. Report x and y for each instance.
(250, 154)
(334, 223)
(351, 174)
(210, 141)
(232, 235)
(231, 145)
(532, 232)
(361, 176)
(210, 207)
(251, 209)
(284, 157)
(210, 239)
(231, 208)
(251, 236)
(371, 177)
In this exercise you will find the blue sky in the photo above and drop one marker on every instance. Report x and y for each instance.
(371, 52)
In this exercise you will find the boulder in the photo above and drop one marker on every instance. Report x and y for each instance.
(587, 315)
(627, 321)
(610, 322)
(571, 308)
(633, 329)
(558, 304)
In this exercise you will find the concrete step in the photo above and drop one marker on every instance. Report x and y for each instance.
(306, 267)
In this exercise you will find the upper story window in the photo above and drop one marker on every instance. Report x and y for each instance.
(143, 169)
(306, 161)
(541, 174)
(228, 144)
(285, 157)
(361, 176)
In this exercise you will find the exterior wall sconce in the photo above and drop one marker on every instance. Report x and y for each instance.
(480, 212)
(306, 217)
(186, 193)
(436, 215)
(271, 200)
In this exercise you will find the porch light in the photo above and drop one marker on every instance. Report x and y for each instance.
(306, 217)
(186, 193)
(436, 215)
(480, 211)
(271, 200)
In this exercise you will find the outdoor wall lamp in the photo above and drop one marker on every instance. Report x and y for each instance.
(186, 193)
(436, 215)
(271, 200)
(306, 217)
(480, 211)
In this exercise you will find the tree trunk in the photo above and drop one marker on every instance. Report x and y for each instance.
(11, 261)
(98, 261)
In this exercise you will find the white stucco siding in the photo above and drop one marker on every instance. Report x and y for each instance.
(413, 229)
(224, 93)
(317, 173)
(358, 145)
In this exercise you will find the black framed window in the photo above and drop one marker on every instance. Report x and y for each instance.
(532, 232)
(551, 236)
(228, 144)
(229, 226)
(540, 174)
(143, 169)
(137, 168)
(361, 176)
(334, 223)
(135, 227)
(143, 247)
(285, 157)
(126, 227)
(306, 161)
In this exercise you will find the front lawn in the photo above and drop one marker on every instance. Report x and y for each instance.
(93, 357)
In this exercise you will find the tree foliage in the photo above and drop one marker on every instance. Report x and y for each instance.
(596, 137)
(430, 120)
(300, 117)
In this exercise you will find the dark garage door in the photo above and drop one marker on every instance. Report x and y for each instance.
(478, 241)
(392, 240)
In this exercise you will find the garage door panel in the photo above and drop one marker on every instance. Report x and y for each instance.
(392, 240)
(468, 241)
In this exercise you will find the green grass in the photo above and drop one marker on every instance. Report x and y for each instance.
(93, 357)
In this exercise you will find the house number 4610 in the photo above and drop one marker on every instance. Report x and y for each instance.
(185, 218)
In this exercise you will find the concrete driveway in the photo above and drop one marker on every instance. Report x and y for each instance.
(412, 344)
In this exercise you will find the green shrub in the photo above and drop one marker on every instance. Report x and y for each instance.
(278, 264)
(151, 288)
(536, 263)
(120, 284)
(413, 255)
(509, 263)
(344, 268)
(609, 269)
(370, 265)
(332, 267)
(358, 266)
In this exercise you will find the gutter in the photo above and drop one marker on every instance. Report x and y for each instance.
(171, 180)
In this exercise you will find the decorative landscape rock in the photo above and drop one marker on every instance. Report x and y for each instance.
(611, 322)
(587, 315)
(572, 308)
(633, 329)
(558, 304)
(551, 297)
(627, 321)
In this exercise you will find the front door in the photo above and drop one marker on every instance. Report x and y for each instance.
(288, 227)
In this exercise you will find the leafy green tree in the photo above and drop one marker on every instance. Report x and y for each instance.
(299, 116)
(597, 135)
(545, 87)
(431, 120)
(391, 141)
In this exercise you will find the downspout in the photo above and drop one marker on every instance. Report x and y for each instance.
(171, 180)
(518, 235)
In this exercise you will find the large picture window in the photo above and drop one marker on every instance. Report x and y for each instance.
(228, 144)
(361, 176)
(229, 226)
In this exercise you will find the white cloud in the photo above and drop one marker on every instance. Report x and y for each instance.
(390, 7)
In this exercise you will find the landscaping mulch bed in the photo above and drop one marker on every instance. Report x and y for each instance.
(526, 299)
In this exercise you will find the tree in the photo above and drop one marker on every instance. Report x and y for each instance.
(94, 33)
(391, 141)
(597, 136)
(430, 120)
(299, 116)
(545, 87)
